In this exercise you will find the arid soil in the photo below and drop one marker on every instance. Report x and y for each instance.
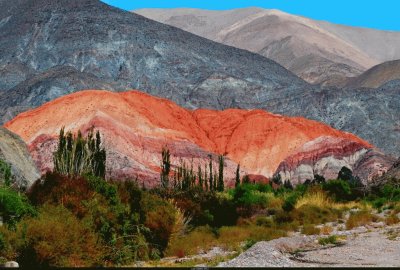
(374, 245)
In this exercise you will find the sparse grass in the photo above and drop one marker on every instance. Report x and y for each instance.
(322, 200)
(328, 240)
(230, 238)
(360, 218)
(201, 238)
(392, 219)
(309, 229)
(392, 235)
(326, 230)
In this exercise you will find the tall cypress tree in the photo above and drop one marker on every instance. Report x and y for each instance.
(165, 167)
(220, 186)
(237, 179)
(211, 174)
(200, 176)
(205, 177)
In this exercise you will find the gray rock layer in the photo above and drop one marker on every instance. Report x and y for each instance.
(14, 151)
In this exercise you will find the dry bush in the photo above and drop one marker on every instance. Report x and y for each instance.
(392, 219)
(309, 229)
(56, 238)
(202, 238)
(231, 237)
(326, 230)
(360, 218)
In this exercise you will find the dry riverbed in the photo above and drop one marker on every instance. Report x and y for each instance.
(374, 245)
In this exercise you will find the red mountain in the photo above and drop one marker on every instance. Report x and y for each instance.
(135, 126)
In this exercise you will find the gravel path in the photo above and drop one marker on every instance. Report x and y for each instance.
(362, 247)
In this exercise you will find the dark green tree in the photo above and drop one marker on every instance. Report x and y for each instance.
(77, 155)
(246, 179)
(220, 186)
(277, 179)
(288, 184)
(165, 167)
(205, 177)
(5, 173)
(237, 178)
(200, 176)
(211, 174)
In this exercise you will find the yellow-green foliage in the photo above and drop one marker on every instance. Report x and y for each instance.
(56, 237)
(320, 199)
(202, 238)
(360, 218)
(309, 229)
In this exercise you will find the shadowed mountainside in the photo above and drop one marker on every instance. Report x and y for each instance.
(317, 51)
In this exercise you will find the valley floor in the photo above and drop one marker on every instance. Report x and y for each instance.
(374, 245)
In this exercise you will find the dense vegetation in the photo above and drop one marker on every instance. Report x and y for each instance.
(74, 217)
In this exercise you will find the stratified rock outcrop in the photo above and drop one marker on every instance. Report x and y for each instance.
(325, 156)
(135, 126)
(13, 151)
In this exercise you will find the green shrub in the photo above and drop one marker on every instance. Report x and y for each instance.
(249, 243)
(290, 202)
(378, 203)
(338, 189)
(159, 218)
(5, 173)
(13, 205)
(265, 222)
(328, 240)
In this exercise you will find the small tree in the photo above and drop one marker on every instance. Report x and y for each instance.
(5, 173)
(200, 176)
(288, 184)
(165, 167)
(237, 178)
(220, 186)
(246, 179)
(277, 179)
(77, 155)
(211, 174)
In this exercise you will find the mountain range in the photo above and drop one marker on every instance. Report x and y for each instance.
(52, 48)
(317, 51)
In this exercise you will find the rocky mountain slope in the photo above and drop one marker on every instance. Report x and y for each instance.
(50, 48)
(319, 52)
(135, 126)
(13, 150)
(377, 76)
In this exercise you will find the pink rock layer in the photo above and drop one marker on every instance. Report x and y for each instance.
(135, 126)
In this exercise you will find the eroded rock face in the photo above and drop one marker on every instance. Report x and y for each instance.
(325, 156)
(135, 126)
(13, 150)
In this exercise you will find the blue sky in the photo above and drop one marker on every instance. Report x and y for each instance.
(379, 14)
